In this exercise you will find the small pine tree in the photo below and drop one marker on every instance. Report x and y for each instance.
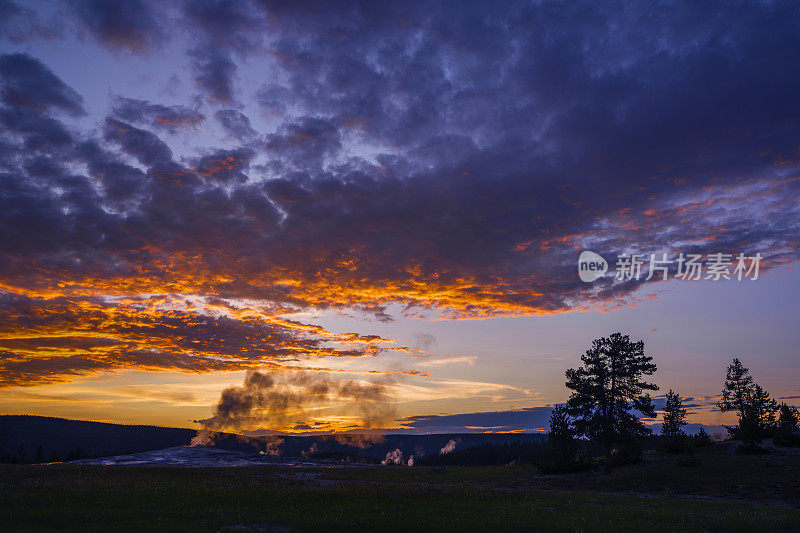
(561, 436)
(39, 458)
(764, 405)
(674, 415)
(749, 431)
(672, 436)
(788, 417)
(754, 406)
(786, 431)
(738, 384)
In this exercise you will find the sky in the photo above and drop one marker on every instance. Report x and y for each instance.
(352, 216)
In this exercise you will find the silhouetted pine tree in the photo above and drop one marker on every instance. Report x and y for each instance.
(754, 406)
(607, 388)
(749, 430)
(765, 406)
(562, 437)
(738, 386)
(672, 436)
(786, 433)
(674, 415)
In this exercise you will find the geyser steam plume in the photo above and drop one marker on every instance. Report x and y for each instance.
(281, 400)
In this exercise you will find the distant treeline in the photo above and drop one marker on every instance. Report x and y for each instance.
(370, 449)
(544, 455)
(24, 457)
(494, 454)
(37, 439)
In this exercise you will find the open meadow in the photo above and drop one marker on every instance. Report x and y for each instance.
(726, 491)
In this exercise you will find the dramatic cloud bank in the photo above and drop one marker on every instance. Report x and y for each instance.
(450, 158)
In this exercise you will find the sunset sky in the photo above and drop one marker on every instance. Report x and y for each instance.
(388, 199)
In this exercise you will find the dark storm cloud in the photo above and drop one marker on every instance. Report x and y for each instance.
(453, 159)
(19, 23)
(143, 145)
(130, 25)
(305, 143)
(39, 132)
(273, 99)
(26, 81)
(225, 23)
(530, 123)
(235, 124)
(169, 118)
(120, 181)
(225, 165)
(214, 73)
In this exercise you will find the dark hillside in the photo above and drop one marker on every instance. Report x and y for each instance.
(61, 439)
(22, 435)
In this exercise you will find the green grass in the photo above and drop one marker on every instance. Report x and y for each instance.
(658, 496)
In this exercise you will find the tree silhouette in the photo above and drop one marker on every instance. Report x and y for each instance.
(749, 430)
(674, 415)
(561, 436)
(702, 439)
(74, 455)
(754, 406)
(607, 388)
(673, 438)
(765, 406)
(786, 432)
(738, 385)
(788, 417)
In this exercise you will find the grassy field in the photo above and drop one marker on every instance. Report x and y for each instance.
(725, 492)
